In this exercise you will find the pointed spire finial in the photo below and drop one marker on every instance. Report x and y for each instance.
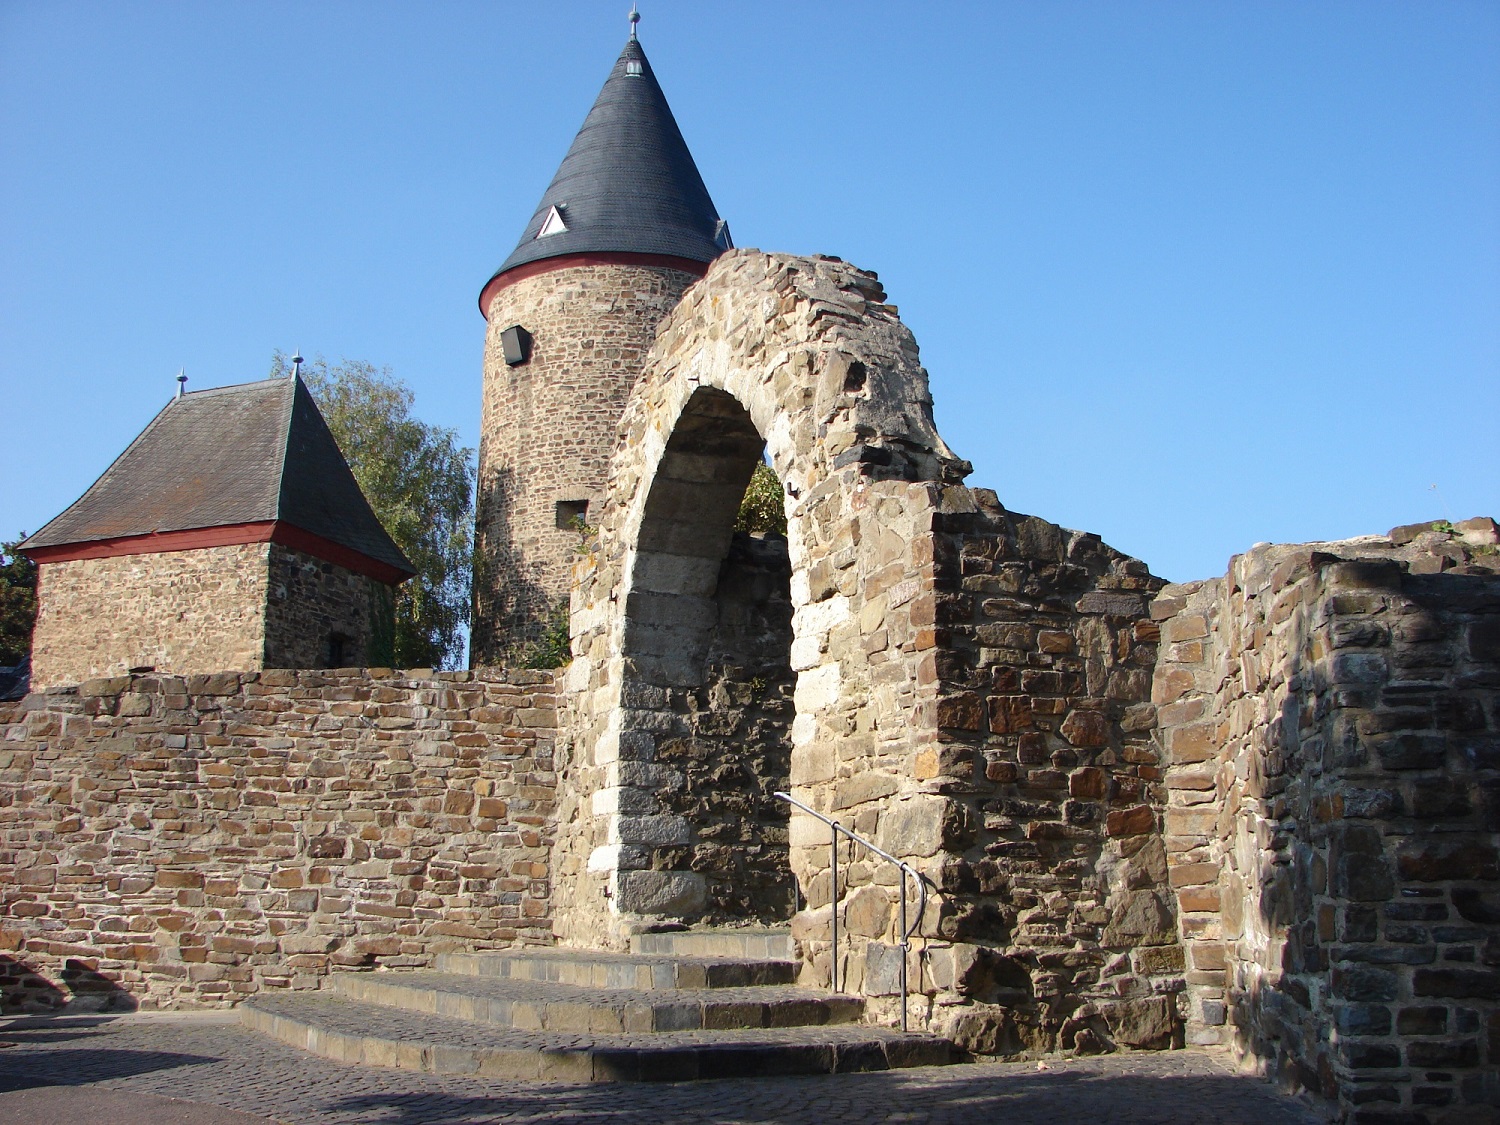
(297, 364)
(181, 381)
(635, 18)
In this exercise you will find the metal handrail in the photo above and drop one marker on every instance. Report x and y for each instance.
(906, 870)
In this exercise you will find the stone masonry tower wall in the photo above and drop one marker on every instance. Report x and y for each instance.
(548, 426)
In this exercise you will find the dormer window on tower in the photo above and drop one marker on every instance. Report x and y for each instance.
(633, 68)
(553, 223)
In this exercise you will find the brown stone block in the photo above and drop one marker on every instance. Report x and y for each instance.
(1045, 779)
(1148, 632)
(961, 712)
(1031, 749)
(1086, 729)
(1010, 714)
(1001, 771)
(1434, 859)
(1191, 822)
(458, 802)
(1187, 627)
(1171, 684)
(1196, 899)
(174, 879)
(1054, 641)
(1158, 960)
(1199, 780)
(1196, 742)
(1193, 874)
(1088, 784)
(1131, 822)
(1207, 956)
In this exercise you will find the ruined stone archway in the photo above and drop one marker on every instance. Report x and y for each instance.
(803, 356)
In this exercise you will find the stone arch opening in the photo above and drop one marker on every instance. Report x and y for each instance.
(802, 358)
(707, 658)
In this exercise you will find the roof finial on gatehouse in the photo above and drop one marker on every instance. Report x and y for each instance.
(297, 364)
(181, 381)
(635, 18)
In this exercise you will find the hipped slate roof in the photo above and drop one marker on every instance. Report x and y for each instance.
(251, 453)
(628, 182)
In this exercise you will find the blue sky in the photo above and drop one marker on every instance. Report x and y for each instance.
(1190, 275)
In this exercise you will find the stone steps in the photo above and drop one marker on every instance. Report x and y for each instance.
(590, 969)
(355, 1032)
(762, 944)
(587, 1016)
(544, 1006)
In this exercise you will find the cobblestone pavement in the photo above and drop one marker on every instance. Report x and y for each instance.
(209, 1058)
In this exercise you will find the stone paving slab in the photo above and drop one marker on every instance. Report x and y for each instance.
(69, 1105)
(545, 1006)
(355, 1032)
(212, 1060)
(594, 969)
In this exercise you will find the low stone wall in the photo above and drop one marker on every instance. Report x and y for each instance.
(1331, 714)
(185, 842)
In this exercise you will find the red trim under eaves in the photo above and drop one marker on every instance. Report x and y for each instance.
(596, 258)
(228, 535)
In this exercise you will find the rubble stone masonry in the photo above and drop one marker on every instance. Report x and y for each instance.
(320, 614)
(179, 610)
(176, 841)
(1331, 716)
(247, 606)
(547, 427)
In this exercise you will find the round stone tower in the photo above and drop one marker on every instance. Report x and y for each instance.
(625, 227)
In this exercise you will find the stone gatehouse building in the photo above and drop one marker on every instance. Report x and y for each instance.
(229, 534)
(1261, 811)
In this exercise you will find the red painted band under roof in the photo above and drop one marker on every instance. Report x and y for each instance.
(597, 258)
(229, 535)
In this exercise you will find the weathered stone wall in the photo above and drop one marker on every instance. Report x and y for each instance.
(322, 615)
(1052, 875)
(972, 687)
(174, 841)
(1331, 713)
(547, 428)
(180, 611)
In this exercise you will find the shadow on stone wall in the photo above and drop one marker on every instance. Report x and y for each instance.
(82, 989)
(23, 989)
(511, 602)
(1338, 856)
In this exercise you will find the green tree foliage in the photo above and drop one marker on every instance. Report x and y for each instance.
(762, 509)
(420, 482)
(17, 603)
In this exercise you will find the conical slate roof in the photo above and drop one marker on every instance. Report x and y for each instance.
(251, 453)
(628, 183)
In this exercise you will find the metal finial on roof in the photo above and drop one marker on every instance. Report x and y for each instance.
(181, 381)
(296, 364)
(635, 18)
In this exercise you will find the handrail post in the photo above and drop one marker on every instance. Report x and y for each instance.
(833, 906)
(905, 943)
(904, 869)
